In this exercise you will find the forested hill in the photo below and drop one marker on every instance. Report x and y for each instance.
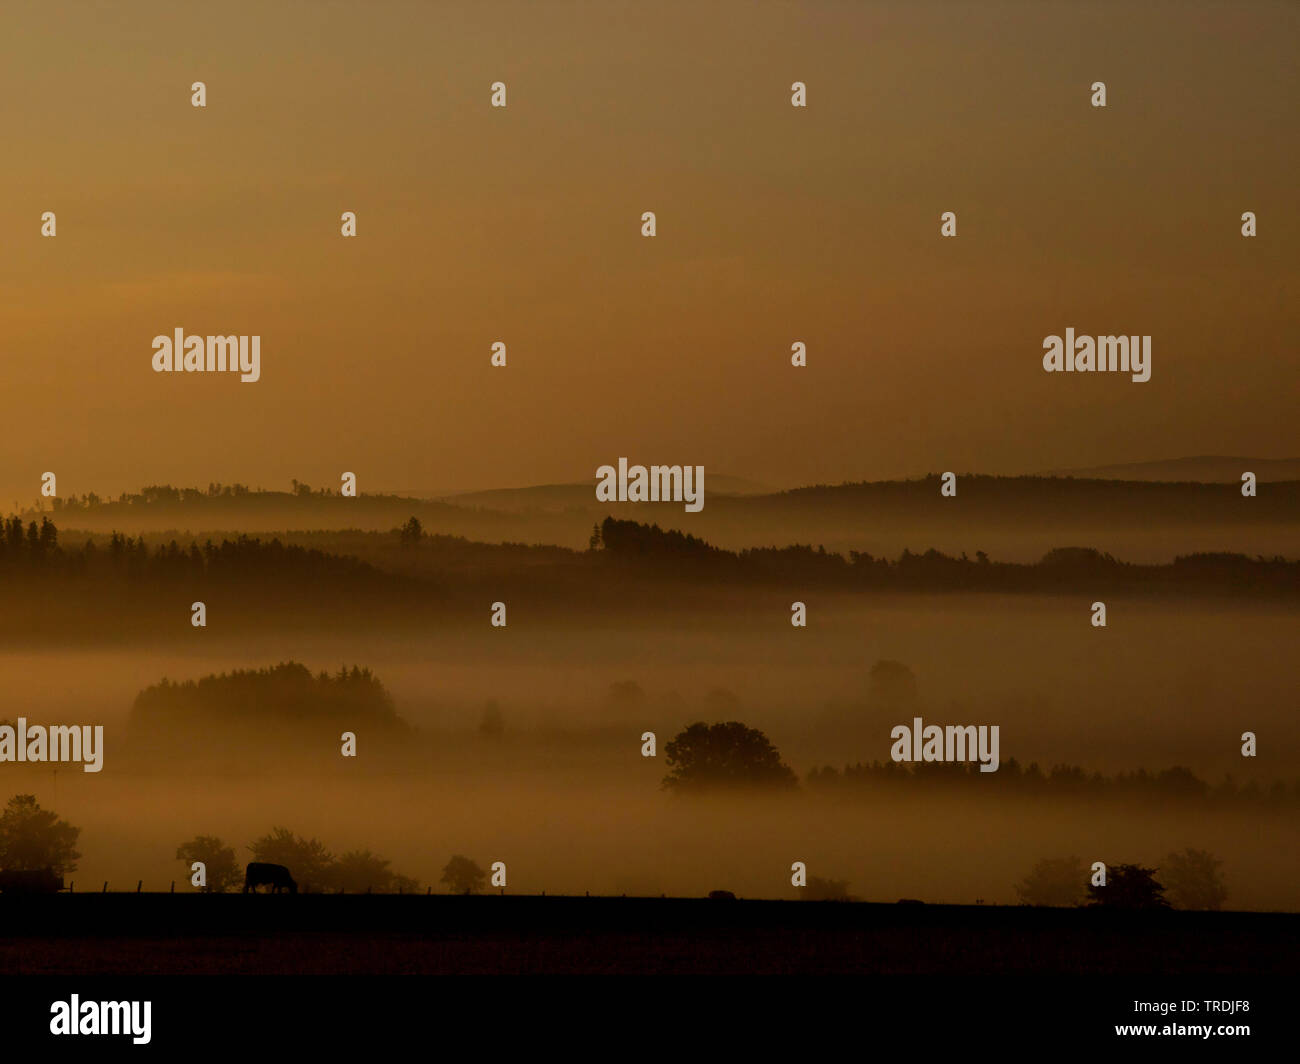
(1014, 518)
(407, 558)
(285, 694)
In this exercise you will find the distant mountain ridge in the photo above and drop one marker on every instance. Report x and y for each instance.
(1204, 469)
(1012, 517)
(565, 496)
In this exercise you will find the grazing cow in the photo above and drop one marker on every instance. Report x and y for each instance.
(30, 881)
(276, 876)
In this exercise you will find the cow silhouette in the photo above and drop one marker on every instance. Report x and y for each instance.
(276, 876)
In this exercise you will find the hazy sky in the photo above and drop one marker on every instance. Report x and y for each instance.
(523, 225)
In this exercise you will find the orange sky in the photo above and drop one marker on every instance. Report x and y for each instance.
(522, 225)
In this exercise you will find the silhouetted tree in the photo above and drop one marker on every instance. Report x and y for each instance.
(463, 876)
(1056, 881)
(706, 756)
(625, 695)
(594, 543)
(819, 889)
(307, 859)
(1078, 559)
(892, 685)
(1129, 886)
(1192, 880)
(358, 871)
(221, 871)
(14, 537)
(32, 838)
(410, 533)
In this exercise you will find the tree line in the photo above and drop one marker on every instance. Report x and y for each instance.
(315, 868)
(665, 553)
(1060, 781)
(155, 494)
(1187, 879)
(287, 693)
(37, 548)
(33, 839)
(1060, 569)
(705, 757)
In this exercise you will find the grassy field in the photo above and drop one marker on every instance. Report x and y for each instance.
(129, 934)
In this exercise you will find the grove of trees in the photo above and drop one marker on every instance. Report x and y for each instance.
(222, 870)
(710, 756)
(312, 865)
(1058, 881)
(1192, 880)
(287, 692)
(32, 838)
(463, 876)
(1128, 886)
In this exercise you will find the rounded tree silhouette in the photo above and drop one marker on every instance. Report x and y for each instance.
(711, 756)
(463, 876)
(32, 838)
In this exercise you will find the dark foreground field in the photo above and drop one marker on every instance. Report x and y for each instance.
(123, 934)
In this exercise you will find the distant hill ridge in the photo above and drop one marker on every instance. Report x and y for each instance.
(1020, 516)
(1205, 469)
(582, 494)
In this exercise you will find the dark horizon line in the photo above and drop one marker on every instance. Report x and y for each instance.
(199, 493)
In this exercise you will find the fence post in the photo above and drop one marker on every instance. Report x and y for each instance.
(138, 885)
(173, 890)
(105, 890)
